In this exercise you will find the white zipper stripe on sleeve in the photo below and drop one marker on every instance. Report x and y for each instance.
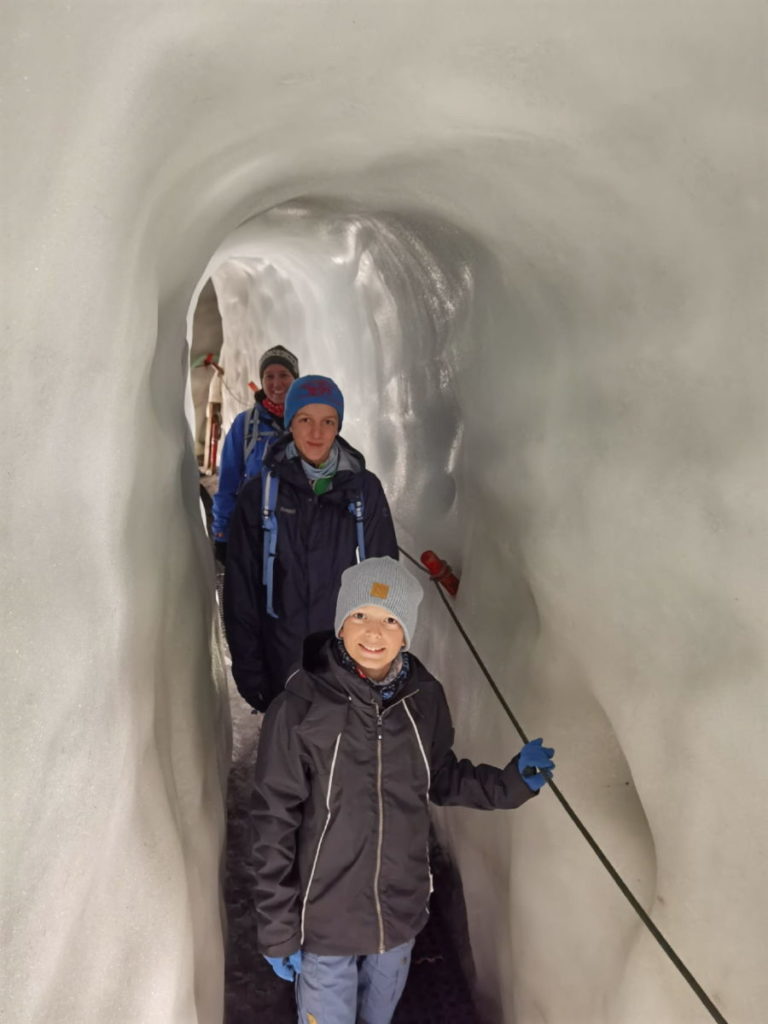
(421, 745)
(429, 782)
(322, 835)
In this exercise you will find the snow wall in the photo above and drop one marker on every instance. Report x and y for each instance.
(527, 239)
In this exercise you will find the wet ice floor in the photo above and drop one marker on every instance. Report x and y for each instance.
(436, 990)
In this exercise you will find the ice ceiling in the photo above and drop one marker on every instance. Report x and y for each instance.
(528, 239)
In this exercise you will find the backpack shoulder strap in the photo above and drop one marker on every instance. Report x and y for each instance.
(357, 509)
(269, 488)
(258, 430)
(250, 433)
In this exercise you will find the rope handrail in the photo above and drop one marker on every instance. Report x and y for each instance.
(592, 842)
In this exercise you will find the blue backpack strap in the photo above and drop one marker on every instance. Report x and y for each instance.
(250, 433)
(258, 432)
(269, 487)
(358, 511)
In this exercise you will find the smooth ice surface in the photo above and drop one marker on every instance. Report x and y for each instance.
(528, 239)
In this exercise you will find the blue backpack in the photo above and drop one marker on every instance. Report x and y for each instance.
(269, 488)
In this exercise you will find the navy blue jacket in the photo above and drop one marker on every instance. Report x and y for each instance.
(316, 542)
(234, 468)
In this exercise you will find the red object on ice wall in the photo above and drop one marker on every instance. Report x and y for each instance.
(440, 571)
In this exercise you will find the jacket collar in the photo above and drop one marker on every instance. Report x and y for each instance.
(320, 663)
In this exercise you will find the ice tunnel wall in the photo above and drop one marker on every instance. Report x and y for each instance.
(531, 245)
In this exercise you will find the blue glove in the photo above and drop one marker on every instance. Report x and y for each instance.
(286, 967)
(535, 764)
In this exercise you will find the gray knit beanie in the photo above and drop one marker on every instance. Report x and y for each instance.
(382, 582)
(282, 357)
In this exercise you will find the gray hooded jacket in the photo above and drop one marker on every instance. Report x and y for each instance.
(342, 788)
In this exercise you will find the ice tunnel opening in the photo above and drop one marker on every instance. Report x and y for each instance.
(404, 310)
(347, 291)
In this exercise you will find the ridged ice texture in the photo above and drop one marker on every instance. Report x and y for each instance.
(529, 241)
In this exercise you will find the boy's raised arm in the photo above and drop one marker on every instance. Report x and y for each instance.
(461, 783)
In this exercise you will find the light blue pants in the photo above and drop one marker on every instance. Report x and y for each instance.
(352, 989)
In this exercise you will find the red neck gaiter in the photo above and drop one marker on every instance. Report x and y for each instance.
(273, 407)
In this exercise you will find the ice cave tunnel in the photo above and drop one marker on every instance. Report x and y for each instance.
(528, 241)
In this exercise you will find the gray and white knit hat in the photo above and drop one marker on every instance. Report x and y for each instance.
(282, 357)
(382, 582)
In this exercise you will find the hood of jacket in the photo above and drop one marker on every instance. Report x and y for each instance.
(322, 670)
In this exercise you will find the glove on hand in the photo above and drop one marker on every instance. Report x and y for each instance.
(220, 551)
(286, 967)
(535, 764)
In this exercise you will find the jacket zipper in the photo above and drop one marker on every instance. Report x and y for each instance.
(381, 831)
(377, 874)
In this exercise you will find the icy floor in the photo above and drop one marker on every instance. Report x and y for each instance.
(436, 991)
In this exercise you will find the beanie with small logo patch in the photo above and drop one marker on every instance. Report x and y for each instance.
(384, 583)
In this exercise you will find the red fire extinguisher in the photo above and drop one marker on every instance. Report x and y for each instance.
(440, 572)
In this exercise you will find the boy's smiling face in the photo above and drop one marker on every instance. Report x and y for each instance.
(372, 638)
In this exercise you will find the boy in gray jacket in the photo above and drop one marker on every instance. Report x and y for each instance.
(351, 753)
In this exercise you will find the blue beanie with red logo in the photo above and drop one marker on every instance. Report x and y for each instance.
(312, 390)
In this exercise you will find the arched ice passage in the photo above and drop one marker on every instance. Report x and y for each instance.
(539, 265)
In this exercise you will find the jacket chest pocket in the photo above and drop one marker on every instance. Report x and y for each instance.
(319, 731)
(331, 520)
(405, 760)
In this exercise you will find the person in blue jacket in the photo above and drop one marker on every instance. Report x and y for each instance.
(249, 437)
(325, 507)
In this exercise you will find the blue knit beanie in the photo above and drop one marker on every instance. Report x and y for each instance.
(312, 390)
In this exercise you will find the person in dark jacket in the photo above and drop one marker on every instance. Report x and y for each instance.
(319, 479)
(349, 757)
(249, 437)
